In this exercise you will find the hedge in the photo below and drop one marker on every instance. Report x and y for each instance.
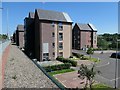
(64, 60)
(57, 67)
(78, 55)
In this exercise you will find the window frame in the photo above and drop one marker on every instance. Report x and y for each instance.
(61, 46)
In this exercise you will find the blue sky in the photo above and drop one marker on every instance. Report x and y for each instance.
(103, 15)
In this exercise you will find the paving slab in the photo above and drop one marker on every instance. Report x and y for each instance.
(70, 80)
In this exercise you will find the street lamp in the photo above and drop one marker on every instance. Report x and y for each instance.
(7, 20)
(116, 61)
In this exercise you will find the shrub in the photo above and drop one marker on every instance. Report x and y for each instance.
(57, 67)
(90, 51)
(84, 58)
(59, 58)
(73, 63)
(71, 57)
(78, 55)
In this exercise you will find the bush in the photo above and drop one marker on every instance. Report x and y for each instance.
(84, 58)
(78, 55)
(73, 63)
(97, 49)
(90, 51)
(81, 56)
(57, 67)
(59, 58)
(71, 57)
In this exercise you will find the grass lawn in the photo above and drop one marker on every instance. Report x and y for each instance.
(60, 71)
(88, 58)
(74, 58)
(102, 87)
(92, 59)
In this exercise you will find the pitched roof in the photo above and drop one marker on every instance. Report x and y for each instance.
(20, 27)
(53, 15)
(83, 26)
(31, 14)
(92, 26)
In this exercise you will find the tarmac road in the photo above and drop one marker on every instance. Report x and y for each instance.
(107, 68)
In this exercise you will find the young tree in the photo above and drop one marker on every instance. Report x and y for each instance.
(88, 74)
(90, 51)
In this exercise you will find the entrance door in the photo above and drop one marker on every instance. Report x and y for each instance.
(45, 51)
(45, 56)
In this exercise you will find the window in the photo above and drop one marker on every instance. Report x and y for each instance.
(45, 54)
(53, 54)
(95, 37)
(53, 44)
(53, 34)
(95, 41)
(53, 24)
(89, 40)
(87, 46)
(60, 53)
(60, 45)
(60, 36)
(60, 26)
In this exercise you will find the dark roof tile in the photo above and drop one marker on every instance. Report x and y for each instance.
(83, 26)
(53, 15)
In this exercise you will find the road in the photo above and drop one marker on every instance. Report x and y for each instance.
(107, 68)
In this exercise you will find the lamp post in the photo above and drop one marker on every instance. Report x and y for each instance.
(1, 20)
(7, 20)
(116, 61)
(7, 24)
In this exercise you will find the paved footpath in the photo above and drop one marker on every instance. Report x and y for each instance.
(2, 65)
(21, 72)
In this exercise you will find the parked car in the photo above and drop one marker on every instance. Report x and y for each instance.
(113, 55)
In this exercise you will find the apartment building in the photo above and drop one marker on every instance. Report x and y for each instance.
(29, 27)
(84, 36)
(20, 36)
(53, 34)
(14, 37)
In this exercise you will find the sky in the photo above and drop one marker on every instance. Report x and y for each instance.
(103, 15)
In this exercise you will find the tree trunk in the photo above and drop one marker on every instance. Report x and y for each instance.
(86, 84)
(90, 56)
(90, 84)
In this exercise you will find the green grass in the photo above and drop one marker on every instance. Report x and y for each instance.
(61, 71)
(92, 59)
(88, 58)
(101, 87)
(74, 58)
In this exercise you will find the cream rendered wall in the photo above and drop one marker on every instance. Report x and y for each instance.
(67, 40)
